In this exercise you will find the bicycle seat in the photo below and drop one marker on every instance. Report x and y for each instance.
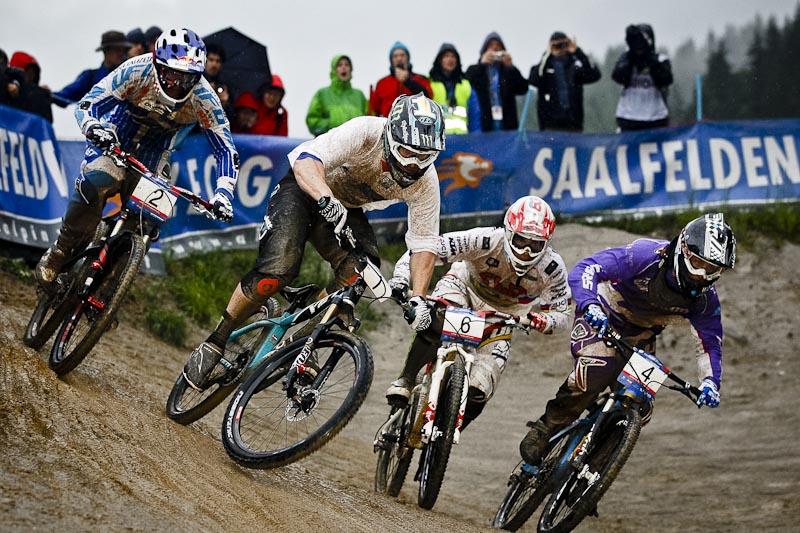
(298, 296)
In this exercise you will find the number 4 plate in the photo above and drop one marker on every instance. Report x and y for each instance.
(463, 326)
(645, 372)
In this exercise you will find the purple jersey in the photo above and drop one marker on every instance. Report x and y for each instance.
(629, 285)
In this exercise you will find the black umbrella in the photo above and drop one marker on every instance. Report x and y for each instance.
(246, 65)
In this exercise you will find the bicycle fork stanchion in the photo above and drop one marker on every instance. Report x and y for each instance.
(468, 360)
(433, 395)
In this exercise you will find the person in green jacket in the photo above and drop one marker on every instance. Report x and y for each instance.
(339, 102)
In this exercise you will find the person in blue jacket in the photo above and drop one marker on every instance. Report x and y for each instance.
(639, 289)
(114, 46)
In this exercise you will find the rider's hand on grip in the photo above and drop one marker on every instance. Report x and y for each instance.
(335, 213)
(596, 318)
(221, 206)
(709, 394)
(418, 314)
(102, 137)
(399, 286)
(540, 322)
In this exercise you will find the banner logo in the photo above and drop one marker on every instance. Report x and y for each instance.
(465, 170)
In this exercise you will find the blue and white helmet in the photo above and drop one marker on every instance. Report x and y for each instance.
(180, 60)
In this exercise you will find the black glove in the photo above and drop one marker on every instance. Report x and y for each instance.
(102, 137)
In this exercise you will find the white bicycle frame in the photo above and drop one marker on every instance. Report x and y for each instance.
(445, 357)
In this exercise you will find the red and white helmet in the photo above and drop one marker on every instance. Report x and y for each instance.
(529, 224)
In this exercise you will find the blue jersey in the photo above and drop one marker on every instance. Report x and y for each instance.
(128, 101)
(630, 285)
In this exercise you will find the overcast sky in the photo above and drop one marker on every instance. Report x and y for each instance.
(302, 36)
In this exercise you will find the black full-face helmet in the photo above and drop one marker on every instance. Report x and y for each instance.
(704, 249)
(413, 138)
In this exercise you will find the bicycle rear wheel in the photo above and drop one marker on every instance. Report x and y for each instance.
(88, 320)
(580, 491)
(437, 452)
(263, 428)
(186, 405)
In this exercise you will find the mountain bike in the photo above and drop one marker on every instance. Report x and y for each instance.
(583, 459)
(88, 292)
(301, 395)
(432, 419)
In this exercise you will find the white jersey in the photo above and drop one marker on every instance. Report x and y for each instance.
(358, 176)
(481, 263)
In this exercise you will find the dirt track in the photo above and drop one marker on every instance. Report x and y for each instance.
(95, 449)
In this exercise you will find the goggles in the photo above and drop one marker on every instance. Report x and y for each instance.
(522, 244)
(699, 267)
(175, 83)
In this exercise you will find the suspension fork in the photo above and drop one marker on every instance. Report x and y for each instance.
(468, 360)
(587, 442)
(437, 377)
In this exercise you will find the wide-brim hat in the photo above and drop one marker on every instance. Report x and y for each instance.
(113, 39)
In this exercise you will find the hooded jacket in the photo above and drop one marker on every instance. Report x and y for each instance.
(644, 75)
(335, 104)
(454, 93)
(245, 100)
(511, 84)
(577, 71)
(389, 88)
(271, 121)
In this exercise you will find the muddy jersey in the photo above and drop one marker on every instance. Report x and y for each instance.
(478, 259)
(628, 283)
(358, 176)
(127, 101)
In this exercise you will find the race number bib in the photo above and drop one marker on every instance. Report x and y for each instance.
(644, 372)
(152, 200)
(463, 326)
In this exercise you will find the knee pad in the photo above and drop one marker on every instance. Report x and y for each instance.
(483, 378)
(259, 287)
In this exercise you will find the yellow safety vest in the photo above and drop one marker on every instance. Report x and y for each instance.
(455, 118)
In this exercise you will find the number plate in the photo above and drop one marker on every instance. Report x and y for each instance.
(644, 373)
(152, 199)
(463, 326)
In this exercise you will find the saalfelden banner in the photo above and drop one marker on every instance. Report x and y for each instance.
(703, 165)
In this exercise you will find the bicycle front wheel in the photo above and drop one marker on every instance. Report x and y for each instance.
(91, 316)
(437, 452)
(263, 428)
(578, 494)
(186, 405)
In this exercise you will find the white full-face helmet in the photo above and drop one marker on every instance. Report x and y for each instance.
(180, 60)
(529, 223)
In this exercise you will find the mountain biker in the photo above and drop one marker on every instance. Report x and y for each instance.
(367, 162)
(639, 289)
(511, 269)
(143, 105)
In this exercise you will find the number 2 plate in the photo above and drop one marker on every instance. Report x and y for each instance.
(463, 326)
(645, 372)
(153, 200)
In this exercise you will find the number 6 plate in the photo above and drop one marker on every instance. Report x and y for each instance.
(153, 200)
(463, 326)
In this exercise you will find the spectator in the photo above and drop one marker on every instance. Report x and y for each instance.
(138, 42)
(246, 113)
(114, 46)
(497, 82)
(11, 82)
(401, 80)
(454, 93)
(337, 103)
(33, 98)
(215, 59)
(645, 77)
(152, 33)
(560, 77)
(273, 119)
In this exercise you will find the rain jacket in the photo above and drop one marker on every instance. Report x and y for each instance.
(335, 104)
(388, 88)
(272, 121)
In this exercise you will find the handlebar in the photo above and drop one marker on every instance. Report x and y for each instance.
(683, 386)
(125, 159)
